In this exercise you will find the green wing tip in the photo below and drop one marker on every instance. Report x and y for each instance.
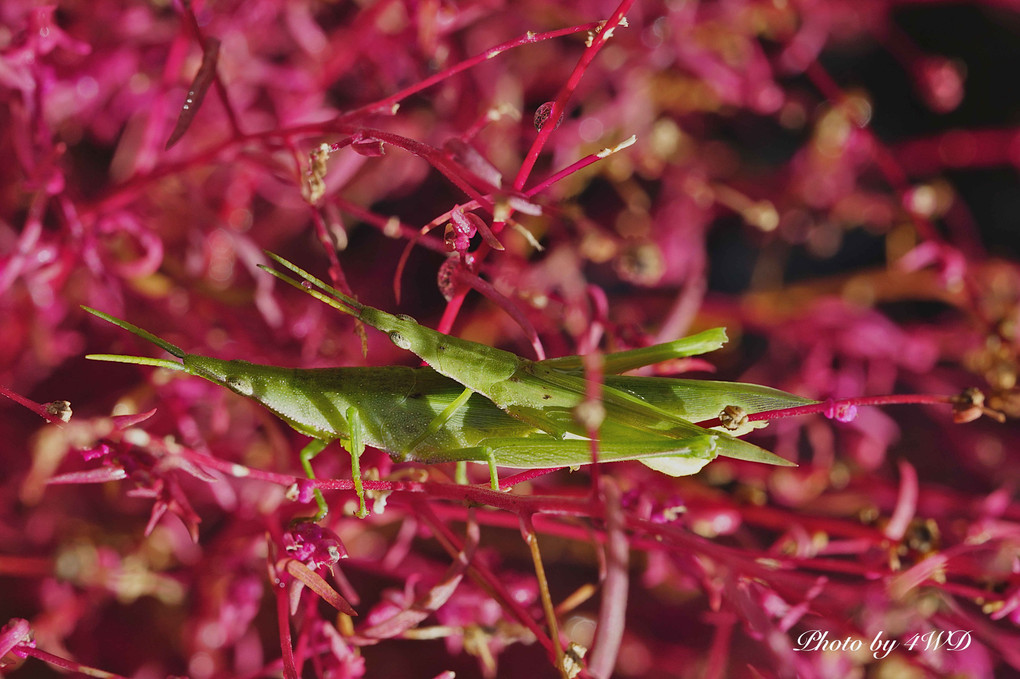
(714, 338)
(783, 462)
(752, 453)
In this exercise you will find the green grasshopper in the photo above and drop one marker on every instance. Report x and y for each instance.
(476, 403)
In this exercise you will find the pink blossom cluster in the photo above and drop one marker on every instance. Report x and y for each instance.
(834, 182)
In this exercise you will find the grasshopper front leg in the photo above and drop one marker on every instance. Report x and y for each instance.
(355, 446)
(351, 422)
(308, 453)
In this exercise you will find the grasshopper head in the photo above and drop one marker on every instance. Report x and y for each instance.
(261, 383)
(234, 375)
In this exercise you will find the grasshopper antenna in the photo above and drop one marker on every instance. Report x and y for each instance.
(324, 293)
(171, 349)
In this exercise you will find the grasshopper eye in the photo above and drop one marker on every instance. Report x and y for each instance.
(399, 340)
(241, 385)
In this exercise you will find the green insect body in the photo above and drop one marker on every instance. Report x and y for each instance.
(476, 403)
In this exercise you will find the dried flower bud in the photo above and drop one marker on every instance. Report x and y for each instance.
(61, 409)
(453, 239)
(460, 229)
(733, 417)
(969, 405)
(315, 184)
(572, 659)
